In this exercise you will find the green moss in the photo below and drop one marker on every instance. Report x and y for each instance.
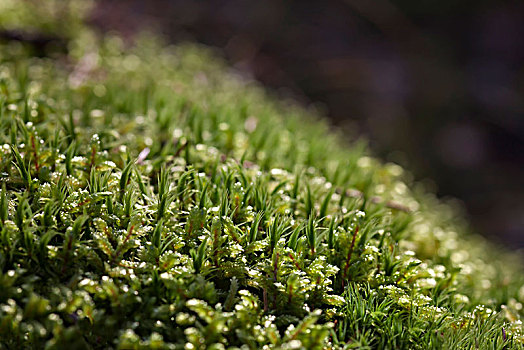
(151, 199)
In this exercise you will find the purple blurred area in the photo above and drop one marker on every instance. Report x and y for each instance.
(437, 86)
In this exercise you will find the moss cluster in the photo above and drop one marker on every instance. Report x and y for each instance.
(151, 199)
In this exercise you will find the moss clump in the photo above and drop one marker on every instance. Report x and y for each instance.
(151, 200)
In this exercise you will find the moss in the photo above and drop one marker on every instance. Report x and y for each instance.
(151, 199)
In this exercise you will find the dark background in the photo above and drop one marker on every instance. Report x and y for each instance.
(435, 85)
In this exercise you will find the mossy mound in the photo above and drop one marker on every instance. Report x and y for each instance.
(151, 199)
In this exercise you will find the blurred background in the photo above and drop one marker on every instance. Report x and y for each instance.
(435, 85)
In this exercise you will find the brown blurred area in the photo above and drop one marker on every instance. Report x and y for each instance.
(437, 86)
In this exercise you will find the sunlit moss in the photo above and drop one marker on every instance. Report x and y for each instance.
(150, 199)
